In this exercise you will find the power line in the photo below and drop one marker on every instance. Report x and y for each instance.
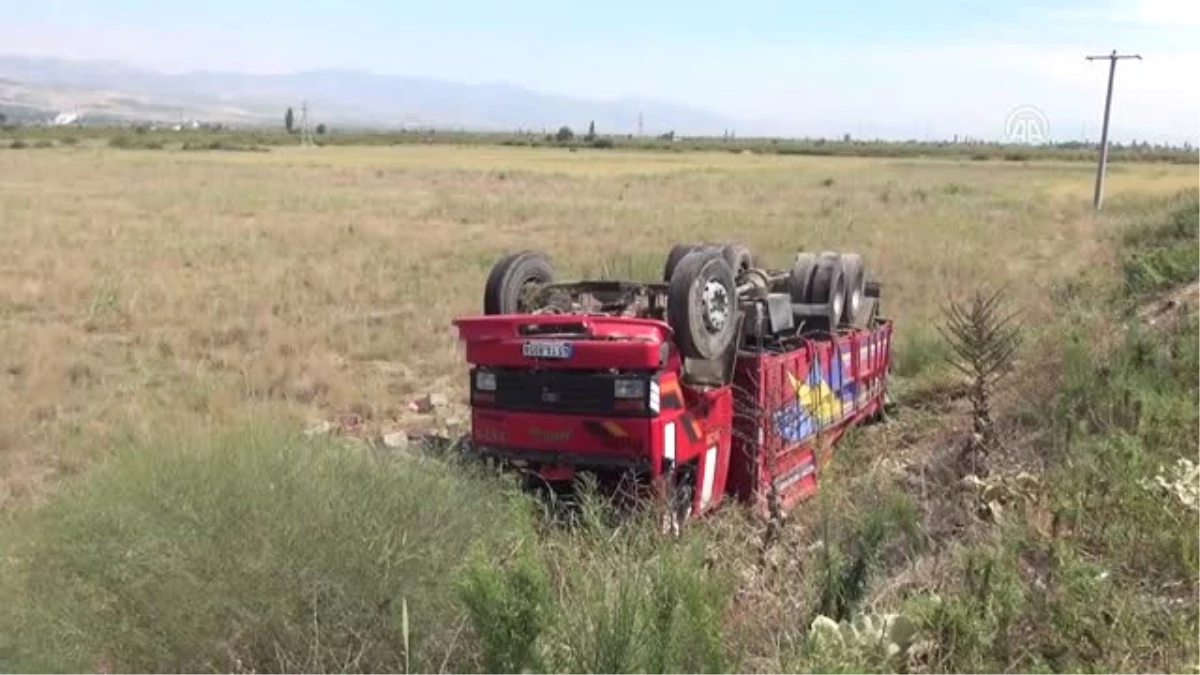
(1098, 197)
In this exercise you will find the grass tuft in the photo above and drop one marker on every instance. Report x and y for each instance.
(257, 551)
(1164, 255)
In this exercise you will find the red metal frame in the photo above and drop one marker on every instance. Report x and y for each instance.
(765, 428)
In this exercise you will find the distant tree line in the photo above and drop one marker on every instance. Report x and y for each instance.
(565, 137)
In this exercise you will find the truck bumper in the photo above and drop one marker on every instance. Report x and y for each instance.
(537, 458)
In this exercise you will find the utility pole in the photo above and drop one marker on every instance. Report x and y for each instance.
(305, 131)
(1098, 198)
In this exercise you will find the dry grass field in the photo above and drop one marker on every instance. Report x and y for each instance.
(170, 321)
(143, 289)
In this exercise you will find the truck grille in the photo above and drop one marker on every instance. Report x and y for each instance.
(559, 391)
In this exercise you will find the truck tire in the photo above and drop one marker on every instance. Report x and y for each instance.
(678, 251)
(509, 279)
(800, 279)
(829, 288)
(739, 258)
(855, 273)
(702, 306)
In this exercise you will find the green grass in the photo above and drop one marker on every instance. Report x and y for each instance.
(1164, 255)
(256, 551)
(1099, 572)
(594, 599)
(920, 350)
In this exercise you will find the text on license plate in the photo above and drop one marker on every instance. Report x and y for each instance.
(544, 349)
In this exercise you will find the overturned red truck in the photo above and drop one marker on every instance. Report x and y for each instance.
(723, 381)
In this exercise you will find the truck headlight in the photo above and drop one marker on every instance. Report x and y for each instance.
(485, 381)
(629, 388)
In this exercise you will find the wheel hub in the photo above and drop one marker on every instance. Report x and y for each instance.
(716, 305)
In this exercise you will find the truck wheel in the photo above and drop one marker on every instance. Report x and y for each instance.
(678, 252)
(829, 288)
(855, 273)
(702, 305)
(800, 280)
(511, 277)
(738, 257)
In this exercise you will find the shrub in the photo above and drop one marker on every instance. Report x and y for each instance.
(920, 350)
(1164, 255)
(257, 551)
(508, 607)
(595, 599)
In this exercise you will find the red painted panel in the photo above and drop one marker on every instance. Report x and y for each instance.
(596, 341)
(789, 403)
(624, 436)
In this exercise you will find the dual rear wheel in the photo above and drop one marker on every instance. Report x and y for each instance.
(836, 281)
(832, 281)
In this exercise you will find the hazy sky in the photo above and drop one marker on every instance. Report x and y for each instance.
(921, 68)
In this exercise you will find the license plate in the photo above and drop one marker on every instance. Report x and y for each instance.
(542, 349)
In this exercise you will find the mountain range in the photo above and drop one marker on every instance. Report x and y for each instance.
(41, 88)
